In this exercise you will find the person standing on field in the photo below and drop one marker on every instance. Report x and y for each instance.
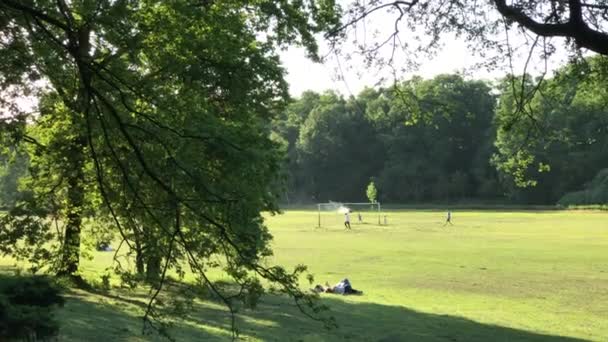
(346, 220)
(448, 218)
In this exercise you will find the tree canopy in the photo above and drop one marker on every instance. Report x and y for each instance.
(153, 117)
(450, 139)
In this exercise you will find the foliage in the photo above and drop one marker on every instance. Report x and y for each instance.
(336, 150)
(26, 308)
(153, 119)
(371, 192)
(534, 32)
(559, 141)
(423, 140)
(13, 166)
(596, 192)
(405, 32)
(451, 139)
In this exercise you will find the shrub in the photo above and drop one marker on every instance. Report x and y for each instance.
(26, 305)
(596, 192)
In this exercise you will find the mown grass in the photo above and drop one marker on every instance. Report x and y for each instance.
(493, 276)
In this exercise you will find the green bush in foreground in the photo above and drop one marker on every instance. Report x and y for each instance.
(26, 305)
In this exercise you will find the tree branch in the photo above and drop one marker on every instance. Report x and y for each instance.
(577, 29)
(34, 12)
(397, 4)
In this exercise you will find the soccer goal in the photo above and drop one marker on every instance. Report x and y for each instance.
(332, 213)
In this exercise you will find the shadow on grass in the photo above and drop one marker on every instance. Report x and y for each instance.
(277, 319)
(117, 316)
(94, 317)
(361, 321)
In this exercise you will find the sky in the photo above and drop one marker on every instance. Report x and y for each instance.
(303, 74)
(350, 77)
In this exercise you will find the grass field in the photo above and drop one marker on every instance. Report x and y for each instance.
(493, 276)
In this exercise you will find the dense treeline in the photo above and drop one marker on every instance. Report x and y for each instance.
(427, 140)
(444, 140)
(450, 139)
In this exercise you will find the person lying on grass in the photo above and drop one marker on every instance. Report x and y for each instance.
(343, 288)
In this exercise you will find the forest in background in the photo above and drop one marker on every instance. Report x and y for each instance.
(452, 139)
(448, 139)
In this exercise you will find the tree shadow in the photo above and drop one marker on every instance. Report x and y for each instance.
(277, 319)
(95, 317)
(362, 321)
(117, 316)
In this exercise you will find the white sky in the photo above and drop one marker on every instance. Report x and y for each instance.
(303, 74)
(454, 57)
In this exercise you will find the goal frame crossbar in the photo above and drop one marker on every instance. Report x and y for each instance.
(346, 204)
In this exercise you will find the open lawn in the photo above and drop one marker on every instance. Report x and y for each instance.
(492, 276)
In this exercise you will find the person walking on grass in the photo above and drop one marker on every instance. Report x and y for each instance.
(448, 219)
(346, 220)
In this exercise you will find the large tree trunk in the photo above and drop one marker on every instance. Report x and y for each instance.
(75, 202)
(153, 268)
(79, 48)
(139, 255)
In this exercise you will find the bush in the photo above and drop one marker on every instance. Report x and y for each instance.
(596, 192)
(26, 305)
(575, 198)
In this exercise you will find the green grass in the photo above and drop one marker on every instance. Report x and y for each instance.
(493, 276)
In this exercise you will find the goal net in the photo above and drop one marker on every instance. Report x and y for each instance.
(332, 213)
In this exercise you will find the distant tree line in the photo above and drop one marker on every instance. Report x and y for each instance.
(450, 139)
(443, 140)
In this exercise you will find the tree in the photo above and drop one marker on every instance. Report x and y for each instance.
(582, 23)
(433, 133)
(371, 192)
(155, 116)
(287, 126)
(560, 142)
(337, 150)
(13, 166)
(488, 27)
(595, 192)
(421, 140)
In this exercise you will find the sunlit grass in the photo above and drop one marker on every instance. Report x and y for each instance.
(493, 276)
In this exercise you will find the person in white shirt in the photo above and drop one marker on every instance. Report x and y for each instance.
(346, 220)
(343, 287)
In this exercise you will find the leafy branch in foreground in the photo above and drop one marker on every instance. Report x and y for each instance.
(155, 117)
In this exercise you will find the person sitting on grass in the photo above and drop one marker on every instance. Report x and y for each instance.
(343, 288)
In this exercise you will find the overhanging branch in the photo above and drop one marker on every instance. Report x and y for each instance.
(575, 28)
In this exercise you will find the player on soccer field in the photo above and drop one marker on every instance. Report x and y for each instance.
(346, 220)
(448, 218)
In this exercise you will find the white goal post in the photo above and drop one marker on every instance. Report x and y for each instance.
(333, 212)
